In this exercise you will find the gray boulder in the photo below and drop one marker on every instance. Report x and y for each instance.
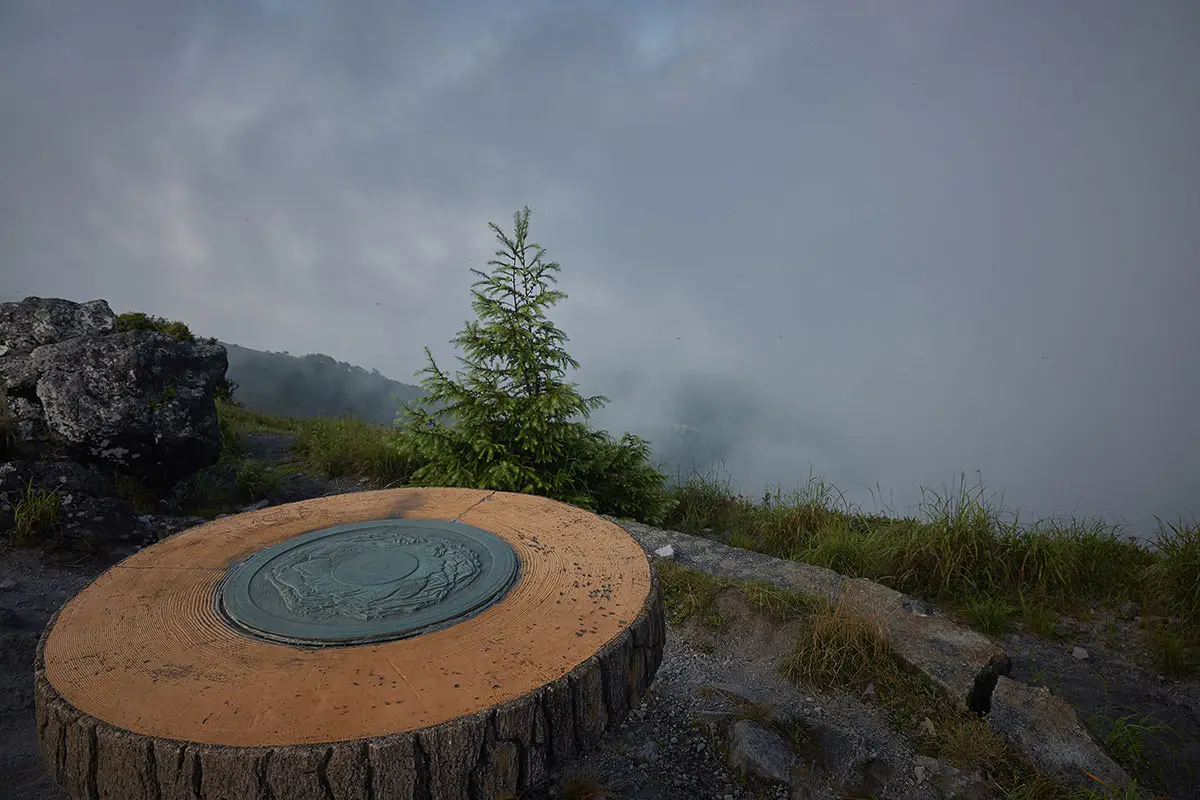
(36, 321)
(138, 401)
(1047, 730)
(759, 753)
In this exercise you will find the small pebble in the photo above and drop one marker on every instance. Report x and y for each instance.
(1079, 653)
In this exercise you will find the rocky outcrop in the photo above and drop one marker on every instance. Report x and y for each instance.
(137, 401)
(962, 663)
(36, 321)
(965, 665)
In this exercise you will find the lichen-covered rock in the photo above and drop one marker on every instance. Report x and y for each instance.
(28, 423)
(140, 401)
(36, 321)
(80, 401)
(74, 387)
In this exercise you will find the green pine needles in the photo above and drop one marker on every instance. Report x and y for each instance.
(513, 424)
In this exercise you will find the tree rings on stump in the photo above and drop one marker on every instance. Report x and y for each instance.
(405, 643)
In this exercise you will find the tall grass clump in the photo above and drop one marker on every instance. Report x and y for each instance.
(1174, 578)
(37, 514)
(349, 446)
(707, 502)
(841, 649)
(953, 553)
(963, 549)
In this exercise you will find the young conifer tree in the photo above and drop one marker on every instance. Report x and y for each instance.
(513, 415)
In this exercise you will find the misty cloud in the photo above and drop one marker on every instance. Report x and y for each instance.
(892, 242)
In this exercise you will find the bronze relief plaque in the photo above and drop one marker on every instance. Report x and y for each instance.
(367, 582)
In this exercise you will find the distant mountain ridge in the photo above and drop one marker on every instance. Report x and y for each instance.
(314, 385)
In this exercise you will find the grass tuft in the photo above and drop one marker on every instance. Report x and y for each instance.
(1176, 652)
(1175, 577)
(778, 603)
(256, 480)
(36, 514)
(690, 594)
(989, 614)
(841, 650)
(336, 447)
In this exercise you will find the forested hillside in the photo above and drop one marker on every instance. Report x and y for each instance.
(314, 386)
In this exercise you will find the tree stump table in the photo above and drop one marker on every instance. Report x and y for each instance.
(405, 643)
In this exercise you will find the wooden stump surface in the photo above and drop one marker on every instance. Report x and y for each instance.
(144, 691)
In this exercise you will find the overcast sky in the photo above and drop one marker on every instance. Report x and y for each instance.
(888, 242)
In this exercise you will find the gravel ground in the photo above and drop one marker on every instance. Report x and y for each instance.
(32, 588)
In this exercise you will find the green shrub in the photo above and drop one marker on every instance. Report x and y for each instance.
(137, 321)
(204, 494)
(233, 437)
(224, 392)
(256, 481)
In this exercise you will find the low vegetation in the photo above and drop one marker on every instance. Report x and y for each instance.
(137, 321)
(37, 516)
(962, 553)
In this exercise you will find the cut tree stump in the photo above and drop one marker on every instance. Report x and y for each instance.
(461, 646)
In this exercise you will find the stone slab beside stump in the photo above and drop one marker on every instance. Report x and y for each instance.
(298, 651)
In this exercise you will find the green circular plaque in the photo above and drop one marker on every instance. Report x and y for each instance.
(367, 582)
